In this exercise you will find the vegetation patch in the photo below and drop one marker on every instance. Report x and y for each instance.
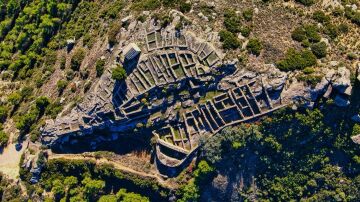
(229, 40)
(296, 60)
(254, 46)
(119, 73)
(77, 180)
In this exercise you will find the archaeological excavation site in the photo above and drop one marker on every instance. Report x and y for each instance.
(179, 87)
(179, 100)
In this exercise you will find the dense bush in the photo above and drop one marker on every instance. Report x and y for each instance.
(254, 46)
(321, 17)
(352, 15)
(4, 138)
(185, 7)
(297, 60)
(77, 59)
(87, 181)
(61, 85)
(232, 21)
(201, 176)
(26, 92)
(165, 20)
(26, 121)
(248, 14)
(245, 31)
(331, 30)
(306, 2)
(3, 113)
(41, 103)
(54, 109)
(100, 65)
(290, 156)
(27, 29)
(114, 30)
(119, 73)
(229, 40)
(306, 32)
(319, 49)
(113, 10)
(14, 98)
(343, 28)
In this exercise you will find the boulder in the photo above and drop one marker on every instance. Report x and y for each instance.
(320, 89)
(356, 139)
(341, 80)
(126, 19)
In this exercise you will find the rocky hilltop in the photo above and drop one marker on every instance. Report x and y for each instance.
(179, 86)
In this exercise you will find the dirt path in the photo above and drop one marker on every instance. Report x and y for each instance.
(10, 159)
(113, 163)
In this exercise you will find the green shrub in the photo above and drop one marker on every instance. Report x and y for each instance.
(26, 92)
(3, 113)
(232, 21)
(113, 31)
(185, 7)
(254, 46)
(169, 3)
(351, 56)
(308, 70)
(248, 14)
(337, 11)
(229, 40)
(331, 30)
(61, 85)
(114, 10)
(119, 73)
(141, 18)
(321, 17)
(310, 79)
(70, 74)
(34, 135)
(319, 49)
(54, 109)
(14, 98)
(355, 130)
(41, 103)
(4, 138)
(58, 189)
(245, 31)
(306, 2)
(306, 32)
(77, 59)
(108, 198)
(297, 60)
(352, 15)
(100, 64)
(24, 122)
(343, 28)
(165, 20)
(123, 195)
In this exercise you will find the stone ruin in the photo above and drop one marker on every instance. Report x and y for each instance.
(179, 87)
